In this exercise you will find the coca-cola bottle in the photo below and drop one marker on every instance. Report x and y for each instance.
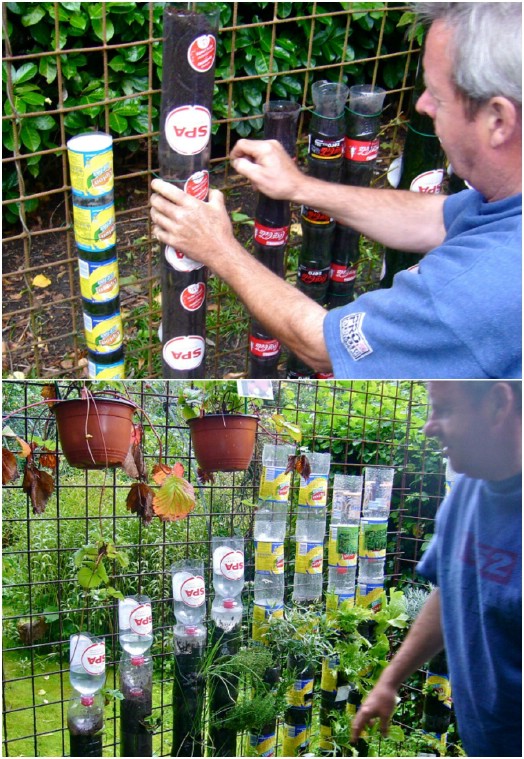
(315, 260)
(264, 350)
(422, 170)
(344, 257)
(327, 126)
(362, 126)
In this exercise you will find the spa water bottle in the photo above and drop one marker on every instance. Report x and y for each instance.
(85, 722)
(228, 566)
(135, 624)
(189, 591)
(87, 667)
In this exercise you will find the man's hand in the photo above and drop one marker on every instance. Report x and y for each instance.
(379, 703)
(189, 225)
(268, 167)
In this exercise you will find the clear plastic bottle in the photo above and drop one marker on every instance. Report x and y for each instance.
(190, 640)
(87, 668)
(228, 566)
(270, 521)
(136, 684)
(312, 500)
(275, 482)
(135, 622)
(269, 588)
(85, 722)
(189, 591)
(347, 498)
(377, 491)
(307, 585)
(371, 570)
(226, 613)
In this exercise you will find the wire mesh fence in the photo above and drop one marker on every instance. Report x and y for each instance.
(360, 424)
(73, 67)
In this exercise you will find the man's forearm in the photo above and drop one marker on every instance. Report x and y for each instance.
(399, 219)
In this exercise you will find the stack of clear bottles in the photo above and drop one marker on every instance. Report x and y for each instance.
(135, 621)
(269, 534)
(310, 530)
(189, 598)
(228, 582)
(85, 716)
(378, 484)
(343, 539)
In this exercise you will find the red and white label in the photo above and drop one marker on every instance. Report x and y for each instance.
(179, 261)
(193, 296)
(184, 353)
(141, 620)
(193, 591)
(198, 185)
(313, 276)
(271, 236)
(314, 216)
(361, 150)
(188, 129)
(342, 273)
(232, 565)
(94, 659)
(429, 182)
(263, 348)
(201, 53)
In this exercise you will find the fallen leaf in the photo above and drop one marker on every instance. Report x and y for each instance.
(175, 499)
(9, 467)
(38, 485)
(41, 281)
(140, 501)
(25, 448)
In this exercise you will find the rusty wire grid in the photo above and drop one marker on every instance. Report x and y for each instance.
(360, 424)
(42, 323)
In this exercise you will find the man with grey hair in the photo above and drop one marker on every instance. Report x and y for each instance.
(475, 560)
(458, 314)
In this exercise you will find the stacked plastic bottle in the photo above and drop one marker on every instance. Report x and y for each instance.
(228, 582)
(343, 540)
(269, 535)
(135, 621)
(378, 483)
(87, 674)
(189, 640)
(91, 167)
(310, 530)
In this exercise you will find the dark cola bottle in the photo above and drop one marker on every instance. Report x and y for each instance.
(327, 126)
(422, 170)
(342, 274)
(297, 369)
(264, 353)
(315, 260)
(324, 171)
(271, 233)
(362, 127)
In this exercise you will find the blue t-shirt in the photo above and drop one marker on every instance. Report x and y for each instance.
(458, 315)
(475, 559)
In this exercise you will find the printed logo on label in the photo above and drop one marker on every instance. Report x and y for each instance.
(353, 337)
(183, 353)
(188, 129)
(201, 53)
(263, 348)
(342, 273)
(94, 659)
(314, 216)
(429, 182)
(232, 565)
(193, 296)
(361, 150)
(179, 261)
(270, 236)
(198, 185)
(141, 619)
(193, 591)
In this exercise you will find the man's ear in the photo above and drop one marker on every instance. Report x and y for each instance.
(500, 402)
(502, 121)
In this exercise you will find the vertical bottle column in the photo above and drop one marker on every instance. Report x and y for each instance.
(135, 623)
(90, 158)
(271, 234)
(343, 540)
(422, 170)
(87, 674)
(188, 65)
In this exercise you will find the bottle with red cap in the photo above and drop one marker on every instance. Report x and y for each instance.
(85, 722)
(136, 685)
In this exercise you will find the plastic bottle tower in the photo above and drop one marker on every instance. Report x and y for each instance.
(90, 158)
(188, 66)
(269, 535)
(226, 633)
(271, 233)
(87, 674)
(422, 170)
(307, 588)
(189, 639)
(360, 155)
(324, 161)
(135, 622)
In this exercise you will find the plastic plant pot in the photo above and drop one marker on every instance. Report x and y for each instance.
(223, 442)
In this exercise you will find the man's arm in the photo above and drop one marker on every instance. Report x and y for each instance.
(423, 641)
(399, 219)
(203, 232)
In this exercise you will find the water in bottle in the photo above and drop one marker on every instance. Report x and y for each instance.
(189, 591)
(135, 622)
(226, 613)
(87, 668)
(228, 566)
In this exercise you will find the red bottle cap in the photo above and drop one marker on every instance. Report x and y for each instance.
(229, 603)
(136, 661)
(87, 700)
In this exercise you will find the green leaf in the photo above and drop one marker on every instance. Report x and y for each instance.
(34, 15)
(92, 577)
(30, 137)
(26, 72)
(98, 28)
(117, 123)
(252, 94)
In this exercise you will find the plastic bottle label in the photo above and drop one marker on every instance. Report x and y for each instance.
(295, 739)
(342, 273)
(429, 182)
(325, 150)
(373, 538)
(179, 261)
(269, 557)
(328, 680)
(440, 687)
(326, 738)
(263, 348)
(98, 281)
(261, 616)
(94, 228)
(343, 546)
(361, 150)
(370, 594)
(94, 659)
(106, 371)
(193, 591)
(198, 185)
(309, 558)
(314, 491)
(141, 620)
(193, 296)
(274, 484)
(201, 53)
(309, 276)
(188, 129)
(298, 694)
(270, 236)
(263, 745)
(232, 565)
(91, 172)
(184, 353)
(104, 334)
(315, 217)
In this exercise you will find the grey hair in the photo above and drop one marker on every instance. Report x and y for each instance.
(486, 47)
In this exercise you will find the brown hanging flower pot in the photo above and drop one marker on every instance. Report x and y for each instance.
(223, 442)
(94, 432)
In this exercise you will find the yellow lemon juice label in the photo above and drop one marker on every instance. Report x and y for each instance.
(370, 595)
(98, 282)
(263, 745)
(309, 558)
(299, 693)
(441, 687)
(91, 164)
(275, 484)
(328, 680)
(313, 492)
(269, 557)
(103, 334)
(295, 738)
(261, 616)
(106, 371)
(95, 228)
